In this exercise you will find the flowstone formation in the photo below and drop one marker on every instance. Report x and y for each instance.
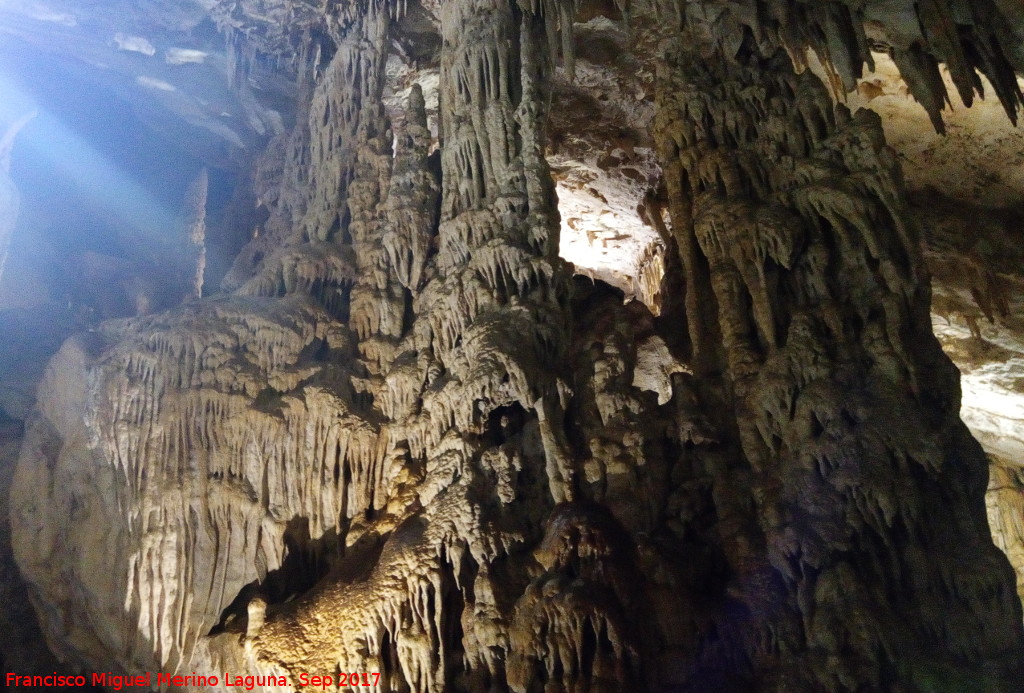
(404, 440)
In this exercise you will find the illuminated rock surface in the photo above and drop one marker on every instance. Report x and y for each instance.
(404, 438)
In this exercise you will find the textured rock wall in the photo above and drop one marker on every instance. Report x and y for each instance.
(805, 290)
(407, 442)
(188, 429)
(964, 191)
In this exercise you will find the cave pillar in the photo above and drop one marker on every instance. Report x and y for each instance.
(470, 380)
(498, 255)
(347, 99)
(853, 488)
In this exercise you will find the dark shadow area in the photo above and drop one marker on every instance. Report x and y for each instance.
(308, 563)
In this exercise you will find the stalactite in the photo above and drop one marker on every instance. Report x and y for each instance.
(237, 420)
(340, 102)
(827, 475)
(412, 199)
(919, 36)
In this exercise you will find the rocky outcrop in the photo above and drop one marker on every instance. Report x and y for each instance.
(406, 441)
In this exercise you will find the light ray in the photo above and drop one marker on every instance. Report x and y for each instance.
(78, 165)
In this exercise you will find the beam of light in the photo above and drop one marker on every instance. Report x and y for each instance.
(77, 163)
(9, 201)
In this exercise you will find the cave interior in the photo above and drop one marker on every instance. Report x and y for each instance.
(513, 346)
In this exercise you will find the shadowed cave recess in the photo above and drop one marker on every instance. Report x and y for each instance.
(514, 346)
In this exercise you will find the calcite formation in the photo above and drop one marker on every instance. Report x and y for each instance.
(195, 234)
(405, 440)
(771, 201)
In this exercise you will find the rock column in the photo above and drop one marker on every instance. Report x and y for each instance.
(850, 507)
